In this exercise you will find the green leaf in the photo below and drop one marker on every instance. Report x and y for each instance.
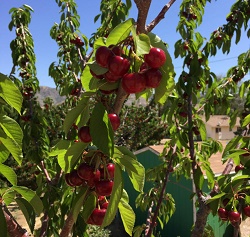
(198, 178)
(4, 153)
(31, 197)
(86, 78)
(28, 212)
(127, 215)
(78, 202)
(135, 169)
(3, 224)
(230, 145)
(98, 70)
(216, 197)
(120, 32)
(73, 114)
(8, 173)
(88, 206)
(209, 173)
(137, 232)
(115, 197)
(167, 82)
(246, 120)
(60, 148)
(101, 130)
(12, 129)
(142, 44)
(69, 159)
(8, 195)
(12, 146)
(10, 93)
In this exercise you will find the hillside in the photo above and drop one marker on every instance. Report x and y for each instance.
(49, 92)
(53, 94)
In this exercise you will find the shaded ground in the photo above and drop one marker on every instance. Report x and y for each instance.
(17, 214)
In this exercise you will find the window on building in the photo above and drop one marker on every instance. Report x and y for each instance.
(217, 130)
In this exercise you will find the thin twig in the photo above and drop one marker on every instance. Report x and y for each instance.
(162, 194)
(160, 16)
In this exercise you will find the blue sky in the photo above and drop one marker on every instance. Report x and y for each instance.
(46, 13)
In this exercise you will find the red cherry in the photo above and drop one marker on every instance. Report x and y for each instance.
(74, 178)
(101, 199)
(117, 50)
(118, 65)
(234, 216)
(238, 168)
(90, 221)
(246, 210)
(97, 216)
(186, 46)
(96, 177)
(102, 56)
(110, 171)
(223, 214)
(155, 58)
(133, 82)
(84, 134)
(104, 205)
(114, 120)
(153, 77)
(85, 171)
(183, 114)
(110, 77)
(67, 180)
(104, 187)
(144, 66)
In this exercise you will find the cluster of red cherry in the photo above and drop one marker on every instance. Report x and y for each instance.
(233, 215)
(118, 65)
(99, 179)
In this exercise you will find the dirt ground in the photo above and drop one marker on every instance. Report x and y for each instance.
(17, 214)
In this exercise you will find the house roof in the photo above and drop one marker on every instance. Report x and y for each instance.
(220, 120)
(215, 159)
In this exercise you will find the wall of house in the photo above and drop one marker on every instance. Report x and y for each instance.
(181, 222)
(225, 134)
(210, 131)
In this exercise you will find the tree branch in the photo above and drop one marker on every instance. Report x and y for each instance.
(162, 193)
(13, 228)
(143, 8)
(68, 225)
(120, 98)
(160, 16)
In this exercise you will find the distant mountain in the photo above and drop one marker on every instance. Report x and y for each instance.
(53, 94)
(49, 92)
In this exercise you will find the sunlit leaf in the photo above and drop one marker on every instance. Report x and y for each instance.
(115, 197)
(8, 173)
(10, 93)
(127, 215)
(120, 32)
(31, 197)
